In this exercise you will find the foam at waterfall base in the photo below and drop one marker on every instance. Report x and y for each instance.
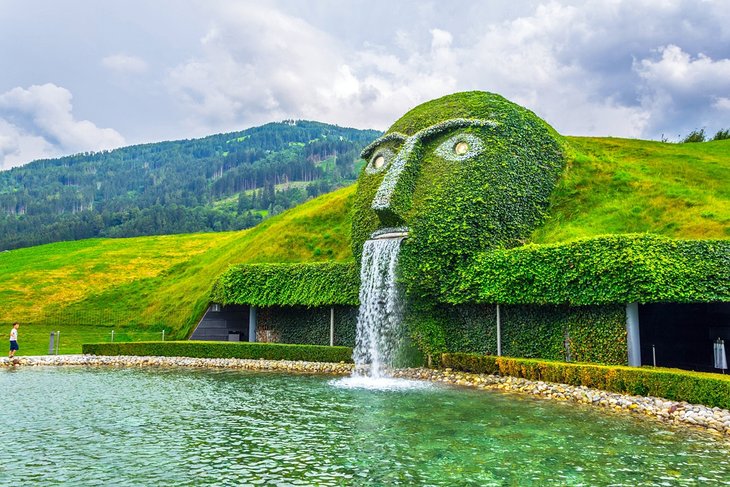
(380, 383)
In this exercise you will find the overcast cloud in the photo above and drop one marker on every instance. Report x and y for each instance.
(82, 75)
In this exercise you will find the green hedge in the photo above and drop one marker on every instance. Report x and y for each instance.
(244, 350)
(677, 385)
(593, 333)
(300, 324)
(307, 284)
(609, 269)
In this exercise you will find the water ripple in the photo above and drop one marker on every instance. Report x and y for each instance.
(196, 427)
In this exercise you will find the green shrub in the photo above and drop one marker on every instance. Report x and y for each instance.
(678, 385)
(600, 270)
(722, 135)
(242, 350)
(307, 284)
(695, 136)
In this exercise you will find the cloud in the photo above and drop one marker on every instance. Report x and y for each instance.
(684, 91)
(38, 122)
(593, 68)
(677, 72)
(722, 103)
(260, 64)
(123, 63)
(257, 64)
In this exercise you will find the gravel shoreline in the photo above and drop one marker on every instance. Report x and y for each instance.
(150, 361)
(714, 420)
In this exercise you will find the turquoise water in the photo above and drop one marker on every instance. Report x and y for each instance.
(106, 426)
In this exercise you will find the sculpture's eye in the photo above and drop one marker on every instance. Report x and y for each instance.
(460, 147)
(378, 161)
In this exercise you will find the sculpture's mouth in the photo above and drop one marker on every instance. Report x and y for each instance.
(383, 233)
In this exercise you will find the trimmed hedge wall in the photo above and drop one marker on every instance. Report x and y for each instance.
(609, 269)
(307, 284)
(677, 385)
(599, 270)
(593, 333)
(244, 350)
(299, 324)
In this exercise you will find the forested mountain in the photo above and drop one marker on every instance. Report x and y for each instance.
(221, 182)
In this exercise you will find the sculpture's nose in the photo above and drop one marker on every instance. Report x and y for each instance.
(393, 199)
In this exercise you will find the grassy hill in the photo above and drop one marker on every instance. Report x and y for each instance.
(138, 286)
(624, 185)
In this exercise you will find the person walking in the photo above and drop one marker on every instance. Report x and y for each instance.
(14, 339)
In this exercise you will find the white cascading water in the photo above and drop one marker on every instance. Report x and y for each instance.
(379, 331)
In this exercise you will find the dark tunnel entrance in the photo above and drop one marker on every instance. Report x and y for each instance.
(682, 335)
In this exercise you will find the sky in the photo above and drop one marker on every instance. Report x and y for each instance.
(89, 75)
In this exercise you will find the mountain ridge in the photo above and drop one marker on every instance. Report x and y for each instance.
(227, 181)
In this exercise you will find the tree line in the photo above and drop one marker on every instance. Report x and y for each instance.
(217, 183)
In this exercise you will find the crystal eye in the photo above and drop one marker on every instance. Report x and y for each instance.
(461, 148)
(379, 161)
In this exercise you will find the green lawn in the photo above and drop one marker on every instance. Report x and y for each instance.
(636, 186)
(140, 286)
(34, 339)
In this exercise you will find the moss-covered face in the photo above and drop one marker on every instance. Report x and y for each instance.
(461, 174)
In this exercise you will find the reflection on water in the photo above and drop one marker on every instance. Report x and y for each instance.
(73, 426)
(380, 383)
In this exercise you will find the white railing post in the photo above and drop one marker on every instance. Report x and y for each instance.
(332, 326)
(632, 334)
(252, 324)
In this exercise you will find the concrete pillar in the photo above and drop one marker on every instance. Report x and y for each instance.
(632, 334)
(332, 326)
(499, 333)
(252, 324)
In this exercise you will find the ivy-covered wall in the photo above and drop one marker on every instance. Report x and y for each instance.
(299, 324)
(593, 333)
(599, 270)
(307, 284)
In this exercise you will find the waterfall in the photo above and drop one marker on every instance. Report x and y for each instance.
(379, 330)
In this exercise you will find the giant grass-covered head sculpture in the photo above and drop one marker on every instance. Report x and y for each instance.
(461, 174)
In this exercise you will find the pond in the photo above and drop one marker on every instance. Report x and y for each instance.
(114, 426)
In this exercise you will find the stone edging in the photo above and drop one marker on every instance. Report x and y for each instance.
(150, 361)
(715, 420)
